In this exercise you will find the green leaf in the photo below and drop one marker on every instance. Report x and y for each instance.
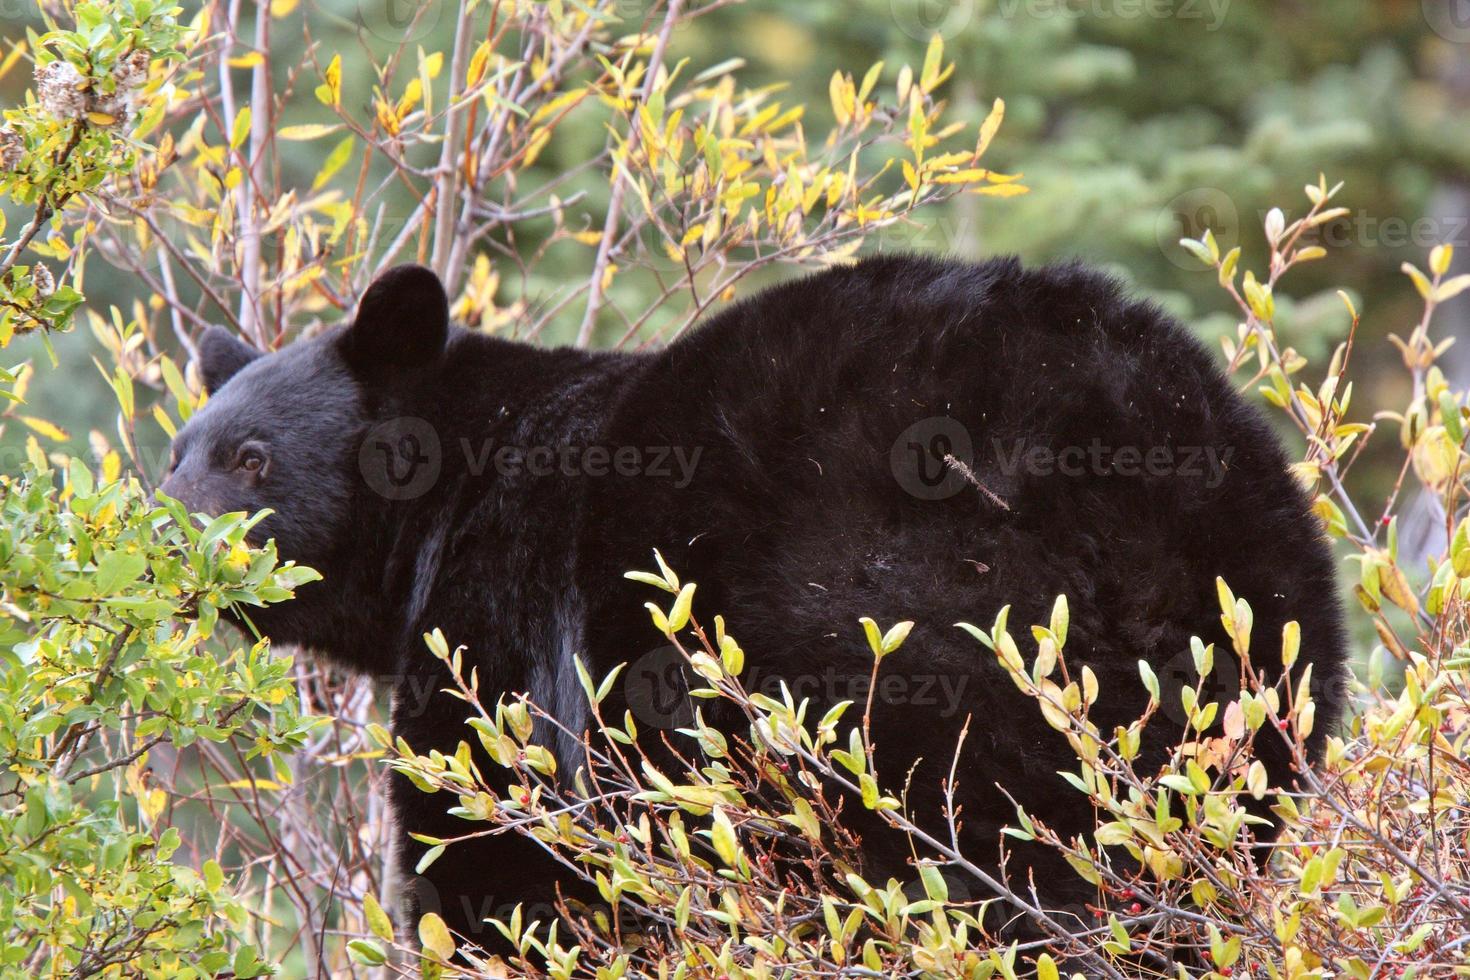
(683, 604)
(366, 952)
(1150, 679)
(895, 636)
(1198, 250)
(430, 856)
(213, 876)
(649, 579)
(722, 835)
(377, 919)
(119, 569)
(1060, 619)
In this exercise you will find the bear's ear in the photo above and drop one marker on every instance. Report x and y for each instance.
(402, 323)
(221, 356)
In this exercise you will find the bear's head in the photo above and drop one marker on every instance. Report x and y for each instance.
(284, 431)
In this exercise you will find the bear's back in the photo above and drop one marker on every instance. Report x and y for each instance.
(927, 440)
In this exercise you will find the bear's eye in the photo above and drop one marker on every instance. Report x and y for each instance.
(251, 459)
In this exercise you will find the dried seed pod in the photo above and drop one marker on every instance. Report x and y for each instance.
(12, 149)
(60, 88)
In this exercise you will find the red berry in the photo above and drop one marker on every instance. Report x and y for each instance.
(1135, 908)
(1281, 724)
(1225, 971)
(1126, 894)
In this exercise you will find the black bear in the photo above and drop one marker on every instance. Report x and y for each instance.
(904, 438)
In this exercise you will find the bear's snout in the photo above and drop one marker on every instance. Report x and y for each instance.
(188, 492)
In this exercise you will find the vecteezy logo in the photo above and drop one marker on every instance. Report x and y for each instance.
(923, 458)
(1221, 685)
(404, 21)
(401, 458)
(1450, 19)
(1190, 215)
(657, 688)
(922, 19)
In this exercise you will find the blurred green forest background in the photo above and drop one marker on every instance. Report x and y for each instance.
(1135, 122)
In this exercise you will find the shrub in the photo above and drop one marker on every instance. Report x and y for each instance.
(108, 604)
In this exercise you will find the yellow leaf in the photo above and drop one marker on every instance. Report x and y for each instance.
(48, 429)
(309, 131)
(282, 8)
(1441, 258)
(968, 176)
(412, 93)
(240, 129)
(840, 89)
(910, 176)
(330, 92)
(1001, 190)
(16, 53)
(164, 422)
(434, 935)
(933, 57)
(1421, 281)
(249, 60)
(478, 61)
(263, 784)
(989, 127)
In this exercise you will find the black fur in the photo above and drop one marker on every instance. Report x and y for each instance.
(791, 459)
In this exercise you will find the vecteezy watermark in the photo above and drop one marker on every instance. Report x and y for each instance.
(1097, 458)
(1190, 215)
(1211, 13)
(676, 463)
(935, 458)
(1450, 19)
(958, 886)
(921, 457)
(403, 458)
(1220, 686)
(657, 687)
(922, 19)
(19, 10)
(402, 21)
(1362, 229)
(1200, 209)
(472, 911)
